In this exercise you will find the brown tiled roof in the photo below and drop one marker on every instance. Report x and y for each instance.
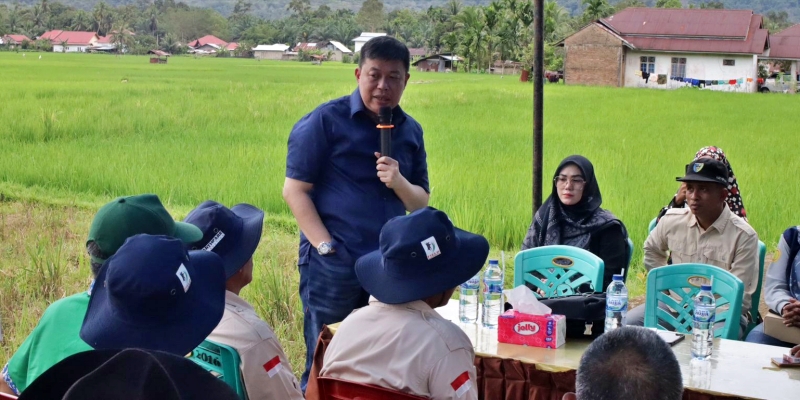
(786, 43)
(690, 30)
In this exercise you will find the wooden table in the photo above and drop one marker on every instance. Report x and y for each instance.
(736, 369)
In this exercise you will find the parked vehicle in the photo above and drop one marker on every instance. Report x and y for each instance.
(777, 82)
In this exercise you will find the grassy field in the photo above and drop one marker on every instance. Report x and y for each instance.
(77, 130)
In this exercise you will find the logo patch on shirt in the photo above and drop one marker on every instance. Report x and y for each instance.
(214, 241)
(273, 366)
(431, 248)
(183, 276)
(462, 384)
(697, 167)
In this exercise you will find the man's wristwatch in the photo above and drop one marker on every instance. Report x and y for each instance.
(324, 248)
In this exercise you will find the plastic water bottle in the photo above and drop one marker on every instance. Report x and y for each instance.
(492, 294)
(468, 299)
(616, 304)
(705, 309)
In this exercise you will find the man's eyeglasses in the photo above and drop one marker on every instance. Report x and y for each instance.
(562, 180)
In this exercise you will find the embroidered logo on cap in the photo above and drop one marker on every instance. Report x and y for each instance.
(214, 241)
(183, 276)
(273, 366)
(697, 167)
(461, 384)
(431, 248)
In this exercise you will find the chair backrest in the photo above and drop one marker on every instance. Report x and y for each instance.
(558, 270)
(683, 282)
(221, 361)
(756, 300)
(652, 225)
(339, 389)
(630, 257)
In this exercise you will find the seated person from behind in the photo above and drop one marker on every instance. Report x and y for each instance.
(155, 297)
(398, 341)
(707, 232)
(734, 199)
(234, 235)
(56, 336)
(572, 216)
(628, 363)
(782, 292)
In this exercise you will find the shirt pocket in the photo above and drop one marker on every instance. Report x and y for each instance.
(683, 253)
(717, 257)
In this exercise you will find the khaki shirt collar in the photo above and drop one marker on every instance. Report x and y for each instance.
(416, 305)
(719, 224)
(233, 300)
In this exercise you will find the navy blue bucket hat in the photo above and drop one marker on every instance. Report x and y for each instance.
(232, 233)
(154, 295)
(421, 254)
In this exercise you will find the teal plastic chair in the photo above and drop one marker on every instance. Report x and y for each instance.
(630, 258)
(652, 225)
(221, 361)
(755, 315)
(678, 278)
(564, 269)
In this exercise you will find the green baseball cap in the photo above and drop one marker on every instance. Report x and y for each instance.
(132, 215)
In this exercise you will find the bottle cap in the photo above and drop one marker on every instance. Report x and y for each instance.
(705, 287)
(617, 277)
(495, 262)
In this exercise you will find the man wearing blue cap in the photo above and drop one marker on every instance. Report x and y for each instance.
(56, 336)
(398, 341)
(234, 234)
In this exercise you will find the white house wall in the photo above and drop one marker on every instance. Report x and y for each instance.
(57, 48)
(698, 66)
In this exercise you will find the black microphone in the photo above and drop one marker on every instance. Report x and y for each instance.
(385, 125)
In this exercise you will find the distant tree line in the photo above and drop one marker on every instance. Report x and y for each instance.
(481, 34)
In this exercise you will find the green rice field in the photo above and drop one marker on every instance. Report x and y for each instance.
(77, 130)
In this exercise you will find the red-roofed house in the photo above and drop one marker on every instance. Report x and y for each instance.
(207, 39)
(70, 41)
(785, 45)
(232, 46)
(13, 40)
(658, 47)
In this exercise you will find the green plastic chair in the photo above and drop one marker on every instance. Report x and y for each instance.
(221, 361)
(630, 257)
(652, 225)
(564, 269)
(727, 287)
(755, 315)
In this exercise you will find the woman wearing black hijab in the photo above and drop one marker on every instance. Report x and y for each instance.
(572, 216)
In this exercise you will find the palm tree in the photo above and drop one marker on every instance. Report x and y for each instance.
(553, 16)
(453, 7)
(470, 23)
(491, 16)
(122, 38)
(81, 21)
(102, 18)
(152, 19)
(596, 9)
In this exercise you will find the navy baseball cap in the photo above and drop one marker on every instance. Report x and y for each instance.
(154, 295)
(706, 170)
(421, 254)
(231, 233)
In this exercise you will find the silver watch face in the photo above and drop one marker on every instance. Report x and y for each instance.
(324, 248)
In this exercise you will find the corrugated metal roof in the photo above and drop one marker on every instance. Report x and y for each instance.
(690, 30)
(681, 22)
(340, 47)
(785, 44)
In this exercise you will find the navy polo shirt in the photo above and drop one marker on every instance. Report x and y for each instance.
(333, 148)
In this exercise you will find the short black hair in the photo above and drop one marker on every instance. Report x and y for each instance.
(385, 48)
(629, 363)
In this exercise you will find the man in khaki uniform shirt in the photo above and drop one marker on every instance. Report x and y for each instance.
(398, 341)
(707, 232)
(234, 234)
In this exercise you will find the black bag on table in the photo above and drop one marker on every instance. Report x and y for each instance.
(586, 313)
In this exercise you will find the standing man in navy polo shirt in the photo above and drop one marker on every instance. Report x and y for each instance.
(341, 190)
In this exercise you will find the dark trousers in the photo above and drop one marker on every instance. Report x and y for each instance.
(329, 291)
